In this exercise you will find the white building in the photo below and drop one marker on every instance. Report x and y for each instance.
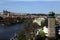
(38, 20)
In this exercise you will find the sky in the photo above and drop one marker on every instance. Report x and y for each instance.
(30, 6)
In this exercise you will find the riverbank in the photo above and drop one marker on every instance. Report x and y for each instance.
(11, 21)
(9, 24)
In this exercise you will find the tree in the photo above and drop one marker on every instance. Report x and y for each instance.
(41, 35)
(30, 27)
(46, 22)
(42, 23)
(21, 35)
(1, 19)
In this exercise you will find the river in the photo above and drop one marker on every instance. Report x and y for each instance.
(6, 32)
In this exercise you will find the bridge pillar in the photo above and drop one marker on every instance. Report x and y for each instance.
(51, 26)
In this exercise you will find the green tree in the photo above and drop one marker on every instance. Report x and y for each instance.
(42, 23)
(1, 19)
(21, 35)
(41, 33)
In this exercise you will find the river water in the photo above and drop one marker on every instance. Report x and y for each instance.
(6, 32)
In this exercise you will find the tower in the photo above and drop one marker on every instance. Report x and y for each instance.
(51, 26)
(7, 13)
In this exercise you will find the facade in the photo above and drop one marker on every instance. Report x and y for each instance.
(39, 21)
